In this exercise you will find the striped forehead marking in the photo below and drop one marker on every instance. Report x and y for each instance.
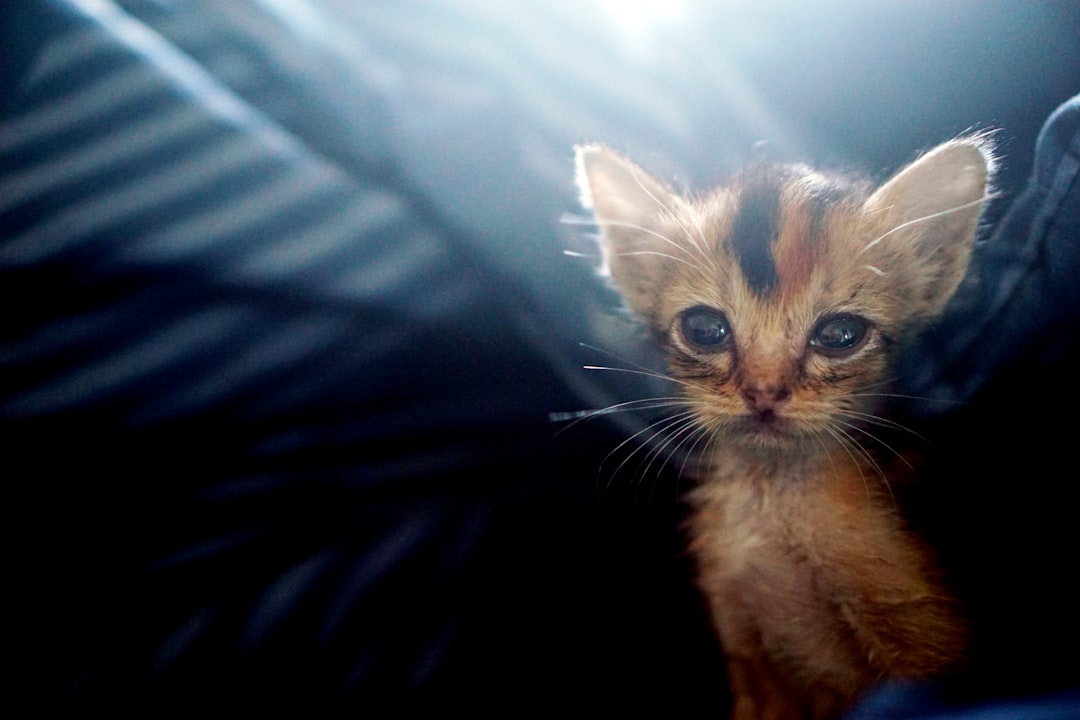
(754, 230)
(756, 227)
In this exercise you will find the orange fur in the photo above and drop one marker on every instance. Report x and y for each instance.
(817, 587)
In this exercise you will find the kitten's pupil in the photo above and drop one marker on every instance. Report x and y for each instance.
(839, 334)
(706, 328)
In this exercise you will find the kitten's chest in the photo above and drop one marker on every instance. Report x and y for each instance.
(775, 526)
(742, 526)
(813, 576)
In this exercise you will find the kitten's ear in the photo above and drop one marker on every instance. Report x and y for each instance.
(630, 208)
(928, 216)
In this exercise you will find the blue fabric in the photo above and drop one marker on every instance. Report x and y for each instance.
(998, 502)
(924, 702)
(1021, 279)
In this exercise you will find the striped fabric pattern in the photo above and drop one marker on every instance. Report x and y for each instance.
(258, 326)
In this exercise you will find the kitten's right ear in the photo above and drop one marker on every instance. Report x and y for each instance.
(631, 209)
(931, 210)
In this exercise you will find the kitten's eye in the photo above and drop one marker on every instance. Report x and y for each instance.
(839, 335)
(706, 328)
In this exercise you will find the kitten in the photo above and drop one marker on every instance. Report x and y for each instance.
(781, 299)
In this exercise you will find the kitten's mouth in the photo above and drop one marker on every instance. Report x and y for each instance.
(766, 417)
(766, 424)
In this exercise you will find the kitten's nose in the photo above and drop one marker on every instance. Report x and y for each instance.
(765, 398)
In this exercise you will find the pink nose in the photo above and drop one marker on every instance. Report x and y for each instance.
(765, 398)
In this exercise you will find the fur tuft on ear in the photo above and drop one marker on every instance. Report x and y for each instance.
(632, 210)
(927, 216)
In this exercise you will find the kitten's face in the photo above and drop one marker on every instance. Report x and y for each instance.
(781, 297)
(775, 345)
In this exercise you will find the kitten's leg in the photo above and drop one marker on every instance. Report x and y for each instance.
(759, 692)
(759, 689)
(762, 691)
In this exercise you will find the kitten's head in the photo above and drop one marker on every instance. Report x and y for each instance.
(781, 296)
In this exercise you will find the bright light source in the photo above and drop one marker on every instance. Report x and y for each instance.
(641, 21)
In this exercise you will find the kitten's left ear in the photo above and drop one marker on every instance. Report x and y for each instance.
(629, 205)
(928, 216)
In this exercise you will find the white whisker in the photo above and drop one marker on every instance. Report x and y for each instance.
(657, 254)
(879, 441)
(647, 231)
(924, 218)
(646, 373)
(880, 422)
(847, 443)
(676, 433)
(656, 428)
(670, 214)
(579, 416)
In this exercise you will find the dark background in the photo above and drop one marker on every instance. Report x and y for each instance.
(286, 315)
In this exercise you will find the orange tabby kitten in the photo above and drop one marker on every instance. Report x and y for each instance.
(781, 299)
